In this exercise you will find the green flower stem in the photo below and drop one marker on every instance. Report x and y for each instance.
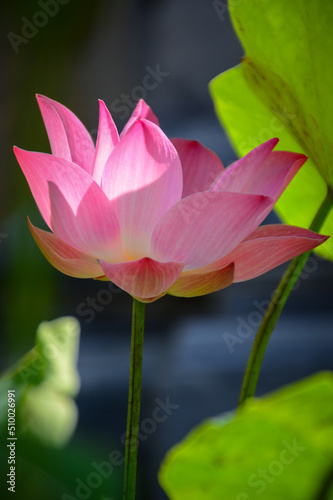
(134, 400)
(275, 308)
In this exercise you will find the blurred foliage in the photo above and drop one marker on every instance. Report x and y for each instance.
(280, 446)
(283, 88)
(45, 381)
(63, 474)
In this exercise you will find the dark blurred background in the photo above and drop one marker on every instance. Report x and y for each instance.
(195, 350)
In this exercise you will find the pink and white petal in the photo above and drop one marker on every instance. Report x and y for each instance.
(276, 173)
(107, 139)
(143, 278)
(191, 284)
(283, 230)
(69, 139)
(64, 258)
(268, 247)
(92, 228)
(204, 227)
(142, 110)
(239, 176)
(200, 165)
(40, 169)
(262, 171)
(143, 176)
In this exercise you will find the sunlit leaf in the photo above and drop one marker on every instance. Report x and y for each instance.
(280, 446)
(283, 89)
(45, 381)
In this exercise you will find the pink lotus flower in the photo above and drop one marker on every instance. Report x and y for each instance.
(156, 216)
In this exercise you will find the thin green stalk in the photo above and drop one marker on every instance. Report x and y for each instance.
(275, 308)
(134, 400)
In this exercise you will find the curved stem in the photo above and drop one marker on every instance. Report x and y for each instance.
(275, 308)
(134, 400)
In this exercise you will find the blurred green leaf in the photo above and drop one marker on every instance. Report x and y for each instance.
(45, 381)
(283, 89)
(280, 445)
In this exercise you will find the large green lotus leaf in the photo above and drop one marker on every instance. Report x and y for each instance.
(248, 123)
(278, 447)
(289, 47)
(45, 381)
